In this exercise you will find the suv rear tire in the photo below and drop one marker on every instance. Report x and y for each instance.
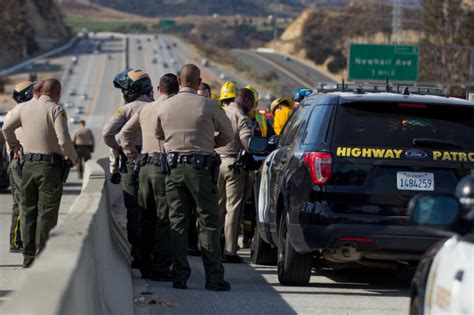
(293, 268)
(261, 252)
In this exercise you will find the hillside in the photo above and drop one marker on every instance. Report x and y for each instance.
(166, 8)
(322, 34)
(29, 27)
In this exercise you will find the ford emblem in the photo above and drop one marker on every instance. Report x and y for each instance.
(416, 154)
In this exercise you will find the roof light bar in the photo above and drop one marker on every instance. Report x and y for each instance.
(325, 87)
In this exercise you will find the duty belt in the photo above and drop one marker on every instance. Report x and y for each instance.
(53, 159)
(154, 159)
(37, 157)
(198, 161)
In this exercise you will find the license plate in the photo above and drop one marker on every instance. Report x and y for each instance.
(415, 181)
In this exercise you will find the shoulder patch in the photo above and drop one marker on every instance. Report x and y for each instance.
(119, 111)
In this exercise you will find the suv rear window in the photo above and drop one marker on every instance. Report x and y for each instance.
(399, 124)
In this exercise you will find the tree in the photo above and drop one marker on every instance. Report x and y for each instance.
(448, 36)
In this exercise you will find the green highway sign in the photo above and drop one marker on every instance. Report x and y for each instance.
(377, 62)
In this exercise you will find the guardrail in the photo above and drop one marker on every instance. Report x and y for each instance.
(84, 268)
(35, 59)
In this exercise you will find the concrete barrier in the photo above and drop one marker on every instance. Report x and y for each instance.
(84, 268)
(37, 58)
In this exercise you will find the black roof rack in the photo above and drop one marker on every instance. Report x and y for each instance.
(326, 87)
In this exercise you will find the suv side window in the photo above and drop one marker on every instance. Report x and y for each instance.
(318, 124)
(296, 125)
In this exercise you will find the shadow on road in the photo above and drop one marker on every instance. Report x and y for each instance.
(360, 281)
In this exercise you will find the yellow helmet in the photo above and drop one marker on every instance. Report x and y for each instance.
(228, 90)
(278, 101)
(255, 93)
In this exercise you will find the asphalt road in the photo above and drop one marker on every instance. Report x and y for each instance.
(255, 288)
(285, 73)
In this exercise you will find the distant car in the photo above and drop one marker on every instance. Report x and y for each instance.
(79, 110)
(74, 119)
(205, 63)
(154, 61)
(68, 104)
(73, 93)
(444, 280)
(84, 97)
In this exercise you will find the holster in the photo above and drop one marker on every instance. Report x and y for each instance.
(122, 163)
(20, 162)
(65, 168)
(136, 168)
(165, 168)
(216, 162)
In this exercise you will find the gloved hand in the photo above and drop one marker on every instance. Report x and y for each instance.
(115, 178)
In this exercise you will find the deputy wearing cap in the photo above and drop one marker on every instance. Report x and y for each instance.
(189, 141)
(23, 92)
(137, 91)
(155, 225)
(232, 176)
(228, 93)
(45, 139)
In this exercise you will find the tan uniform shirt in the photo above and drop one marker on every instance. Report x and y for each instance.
(111, 131)
(187, 123)
(44, 126)
(83, 136)
(144, 119)
(18, 132)
(242, 129)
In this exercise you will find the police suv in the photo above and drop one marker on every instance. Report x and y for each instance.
(338, 180)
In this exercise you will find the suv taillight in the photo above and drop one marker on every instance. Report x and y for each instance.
(320, 166)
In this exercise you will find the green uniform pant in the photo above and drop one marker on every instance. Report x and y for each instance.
(130, 198)
(231, 186)
(84, 154)
(15, 188)
(42, 189)
(187, 188)
(155, 247)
